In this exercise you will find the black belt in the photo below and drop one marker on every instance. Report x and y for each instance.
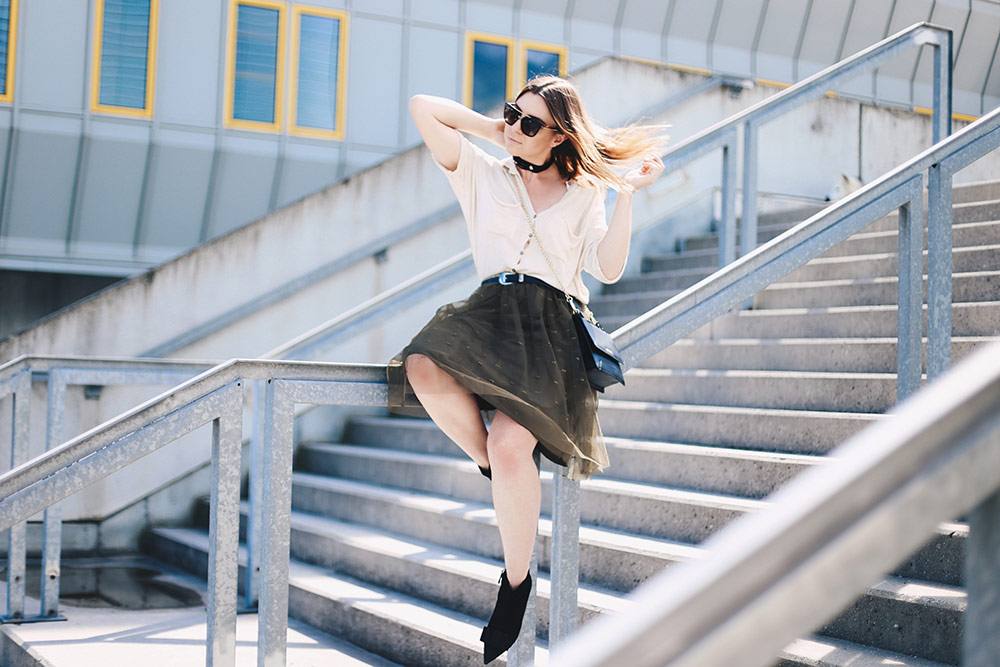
(512, 278)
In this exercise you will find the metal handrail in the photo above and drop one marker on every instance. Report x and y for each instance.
(777, 574)
(725, 134)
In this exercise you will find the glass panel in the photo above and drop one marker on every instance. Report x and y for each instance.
(4, 43)
(316, 103)
(124, 51)
(256, 63)
(542, 62)
(489, 75)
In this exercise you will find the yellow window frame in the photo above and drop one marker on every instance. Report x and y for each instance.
(522, 55)
(279, 75)
(8, 96)
(471, 37)
(293, 76)
(95, 68)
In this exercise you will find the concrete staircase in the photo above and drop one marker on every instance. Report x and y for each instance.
(394, 542)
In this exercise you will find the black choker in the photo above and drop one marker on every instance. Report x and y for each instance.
(533, 168)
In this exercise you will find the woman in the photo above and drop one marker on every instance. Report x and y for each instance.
(536, 220)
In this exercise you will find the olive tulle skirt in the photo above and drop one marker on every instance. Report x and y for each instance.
(515, 348)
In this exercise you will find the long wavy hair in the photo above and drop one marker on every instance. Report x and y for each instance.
(591, 152)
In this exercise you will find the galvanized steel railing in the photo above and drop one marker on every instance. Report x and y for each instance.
(758, 589)
(725, 135)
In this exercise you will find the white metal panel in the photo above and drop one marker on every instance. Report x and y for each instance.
(991, 96)
(868, 25)
(640, 34)
(373, 103)
(243, 183)
(443, 47)
(892, 83)
(825, 27)
(393, 8)
(43, 170)
(973, 60)
(545, 22)
(187, 71)
(782, 25)
(593, 25)
(445, 12)
(688, 33)
(949, 14)
(495, 17)
(732, 51)
(178, 187)
(53, 41)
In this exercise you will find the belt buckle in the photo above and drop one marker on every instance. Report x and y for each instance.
(502, 279)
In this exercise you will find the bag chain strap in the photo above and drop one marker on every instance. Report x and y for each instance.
(531, 223)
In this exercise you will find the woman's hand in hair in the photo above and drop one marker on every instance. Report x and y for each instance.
(645, 174)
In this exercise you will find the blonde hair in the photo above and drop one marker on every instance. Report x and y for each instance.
(591, 152)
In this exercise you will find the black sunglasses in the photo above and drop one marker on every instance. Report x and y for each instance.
(530, 125)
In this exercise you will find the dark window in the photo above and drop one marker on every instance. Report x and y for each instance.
(319, 51)
(256, 76)
(124, 53)
(541, 62)
(489, 75)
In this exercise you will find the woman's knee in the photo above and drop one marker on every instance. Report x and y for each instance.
(420, 369)
(510, 450)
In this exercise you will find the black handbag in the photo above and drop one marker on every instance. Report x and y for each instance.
(597, 348)
(599, 352)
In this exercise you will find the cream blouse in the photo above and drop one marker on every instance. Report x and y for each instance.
(501, 239)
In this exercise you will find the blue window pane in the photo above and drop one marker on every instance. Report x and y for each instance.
(124, 51)
(4, 42)
(316, 98)
(489, 75)
(542, 62)
(256, 63)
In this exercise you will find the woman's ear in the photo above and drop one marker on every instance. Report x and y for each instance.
(558, 138)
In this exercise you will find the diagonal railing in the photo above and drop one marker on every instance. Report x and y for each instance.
(62, 468)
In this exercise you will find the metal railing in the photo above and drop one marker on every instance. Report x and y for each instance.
(730, 602)
(780, 573)
(726, 135)
(202, 400)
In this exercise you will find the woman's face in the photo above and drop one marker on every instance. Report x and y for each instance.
(521, 145)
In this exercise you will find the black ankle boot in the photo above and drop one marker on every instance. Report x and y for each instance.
(505, 623)
(486, 472)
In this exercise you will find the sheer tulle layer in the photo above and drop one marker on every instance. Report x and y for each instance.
(515, 348)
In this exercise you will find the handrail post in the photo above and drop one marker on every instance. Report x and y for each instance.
(564, 559)
(522, 653)
(939, 269)
(942, 88)
(981, 641)
(910, 313)
(55, 416)
(16, 550)
(272, 615)
(727, 231)
(748, 223)
(251, 581)
(224, 529)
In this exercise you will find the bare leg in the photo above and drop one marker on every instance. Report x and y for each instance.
(452, 407)
(517, 492)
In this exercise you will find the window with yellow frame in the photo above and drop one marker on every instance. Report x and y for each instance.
(8, 44)
(124, 63)
(255, 67)
(318, 72)
(496, 67)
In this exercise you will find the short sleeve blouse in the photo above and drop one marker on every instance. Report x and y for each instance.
(501, 238)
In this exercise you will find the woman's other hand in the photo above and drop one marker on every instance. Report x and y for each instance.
(645, 174)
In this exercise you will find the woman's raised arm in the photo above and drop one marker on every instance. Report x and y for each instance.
(439, 120)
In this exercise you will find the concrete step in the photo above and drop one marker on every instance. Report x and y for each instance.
(818, 651)
(643, 509)
(689, 259)
(791, 431)
(402, 628)
(881, 265)
(966, 287)
(968, 319)
(847, 355)
(609, 559)
(711, 241)
(791, 390)
(716, 470)
(964, 235)
(973, 192)
(662, 281)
